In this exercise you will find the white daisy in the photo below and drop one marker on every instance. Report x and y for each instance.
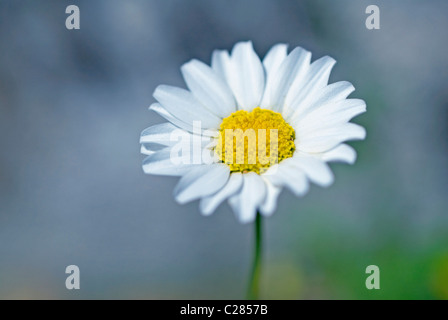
(285, 92)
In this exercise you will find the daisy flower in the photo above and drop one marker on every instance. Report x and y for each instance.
(285, 95)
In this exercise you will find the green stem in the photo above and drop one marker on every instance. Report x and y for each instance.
(254, 285)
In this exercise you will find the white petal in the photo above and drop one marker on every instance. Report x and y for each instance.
(341, 153)
(274, 58)
(270, 203)
(278, 85)
(164, 135)
(200, 182)
(210, 89)
(247, 76)
(246, 203)
(315, 169)
(307, 86)
(159, 133)
(162, 163)
(332, 93)
(157, 107)
(150, 148)
(156, 138)
(324, 140)
(210, 203)
(329, 115)
(286, 175)
(221, 64)
(146, 151)
(183, 105)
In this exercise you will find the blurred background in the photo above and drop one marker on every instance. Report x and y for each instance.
(72, 190)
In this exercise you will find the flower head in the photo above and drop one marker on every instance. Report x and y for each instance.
(248, 128)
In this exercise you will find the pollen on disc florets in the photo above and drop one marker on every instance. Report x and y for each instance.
(253, 141)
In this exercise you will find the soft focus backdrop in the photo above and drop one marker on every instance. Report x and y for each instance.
(72, 191)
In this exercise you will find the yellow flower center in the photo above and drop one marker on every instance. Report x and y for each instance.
(253, 141)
